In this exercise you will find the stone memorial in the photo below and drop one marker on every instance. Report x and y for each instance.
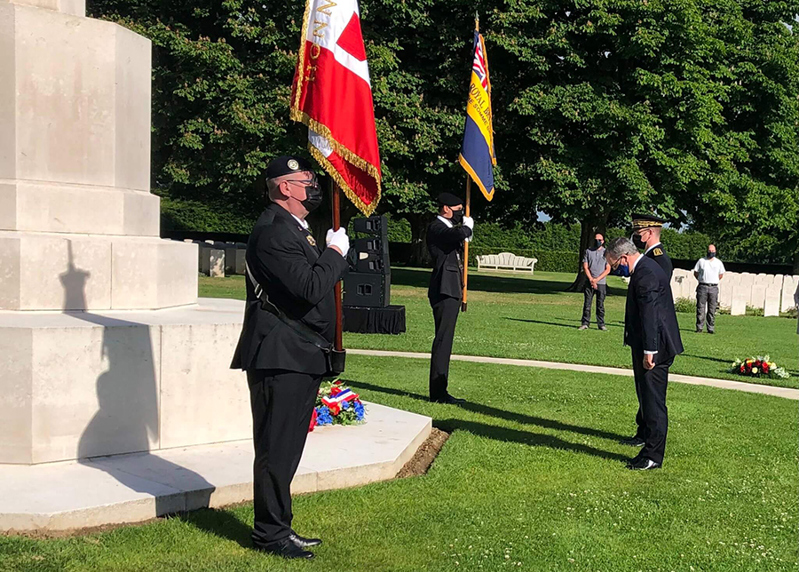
(79, 241)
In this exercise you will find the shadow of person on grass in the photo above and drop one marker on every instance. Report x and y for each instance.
(220, 523)
(572, 326)
(509, 435)
(498, 413)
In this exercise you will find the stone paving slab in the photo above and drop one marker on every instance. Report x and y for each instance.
(140, 486)
(785, 392)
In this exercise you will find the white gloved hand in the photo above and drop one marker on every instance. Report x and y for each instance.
(339, 239)
(469, 222)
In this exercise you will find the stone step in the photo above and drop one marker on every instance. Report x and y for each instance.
(140, 486)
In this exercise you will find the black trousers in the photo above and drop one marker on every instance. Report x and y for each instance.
(445, 315)
(282, 403)
(601, 291)
(653, 415)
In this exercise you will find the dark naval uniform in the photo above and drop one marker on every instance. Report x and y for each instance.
(650, 325)
(445, 245)
(659, 255)
(283, 369)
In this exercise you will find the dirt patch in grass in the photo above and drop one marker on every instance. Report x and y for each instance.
(425, 455)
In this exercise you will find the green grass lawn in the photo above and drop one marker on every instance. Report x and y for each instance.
(516, 316)
(531, 479)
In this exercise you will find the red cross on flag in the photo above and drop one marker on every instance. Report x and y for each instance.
(332, 95)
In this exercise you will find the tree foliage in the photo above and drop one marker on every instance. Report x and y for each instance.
(602, 107)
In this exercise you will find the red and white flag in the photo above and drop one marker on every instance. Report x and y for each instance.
(332, 95)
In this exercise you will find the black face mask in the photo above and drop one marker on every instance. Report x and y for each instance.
(639, 242)
(457, 217)
(313, 196)
(711, 254)
(599, 243)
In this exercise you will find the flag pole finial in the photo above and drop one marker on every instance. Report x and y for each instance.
(476, 21)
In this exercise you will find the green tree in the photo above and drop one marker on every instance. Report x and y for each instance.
(651, 105)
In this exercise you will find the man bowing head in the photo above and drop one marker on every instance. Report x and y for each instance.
(651, 331)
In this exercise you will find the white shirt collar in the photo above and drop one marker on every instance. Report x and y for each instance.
(446, 221)
(637, 260)
(303, 224)
(651, 247)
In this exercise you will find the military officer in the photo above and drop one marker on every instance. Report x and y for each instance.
(651, 331)
(289, 290)
(646, 236)
(445, 238)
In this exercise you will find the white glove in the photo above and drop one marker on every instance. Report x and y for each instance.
(338, 239)
(469, 223)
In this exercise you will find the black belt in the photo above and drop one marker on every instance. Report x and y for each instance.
(706, 284)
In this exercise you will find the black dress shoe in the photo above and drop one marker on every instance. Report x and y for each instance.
(633, 442)
(302, 542)
(285, 548)
(449, 400)
(642, 464)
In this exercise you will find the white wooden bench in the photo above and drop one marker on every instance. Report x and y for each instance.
(506, 261)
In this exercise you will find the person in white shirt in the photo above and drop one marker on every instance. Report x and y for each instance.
(708, 271)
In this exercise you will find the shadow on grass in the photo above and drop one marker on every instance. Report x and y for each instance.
(509, 435)
(708, 358)
(498, 413)
(220, 523)
(571, 326)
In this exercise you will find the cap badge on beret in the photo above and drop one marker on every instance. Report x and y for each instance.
(293, 165)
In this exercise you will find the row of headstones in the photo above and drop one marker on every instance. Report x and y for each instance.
(772, 293)
(220, 259)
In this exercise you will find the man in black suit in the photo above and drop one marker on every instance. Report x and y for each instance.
(651, 331)
(445, 238)
(284, 370)
(646, 237)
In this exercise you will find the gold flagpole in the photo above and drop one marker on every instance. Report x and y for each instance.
(466, 244)
(468, 213)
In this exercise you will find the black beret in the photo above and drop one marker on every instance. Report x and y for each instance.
(646, 221)
(287, 165)
(449, 200)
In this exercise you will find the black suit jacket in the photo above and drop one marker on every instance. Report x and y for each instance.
(299, 279)
(658, 254)
(445, 246)
(650, 322)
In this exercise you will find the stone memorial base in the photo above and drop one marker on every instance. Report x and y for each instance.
(138, 487)
(84, 384)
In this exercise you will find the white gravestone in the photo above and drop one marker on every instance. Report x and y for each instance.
(241, 256)
(739, 299)
(216, 263)
(758, 296)
(789, 284)
(745, 281)
(726, 286)
(772, 302)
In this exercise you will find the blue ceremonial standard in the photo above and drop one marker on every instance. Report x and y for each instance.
(477, 154)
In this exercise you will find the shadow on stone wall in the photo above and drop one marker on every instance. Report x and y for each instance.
(127, 419)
